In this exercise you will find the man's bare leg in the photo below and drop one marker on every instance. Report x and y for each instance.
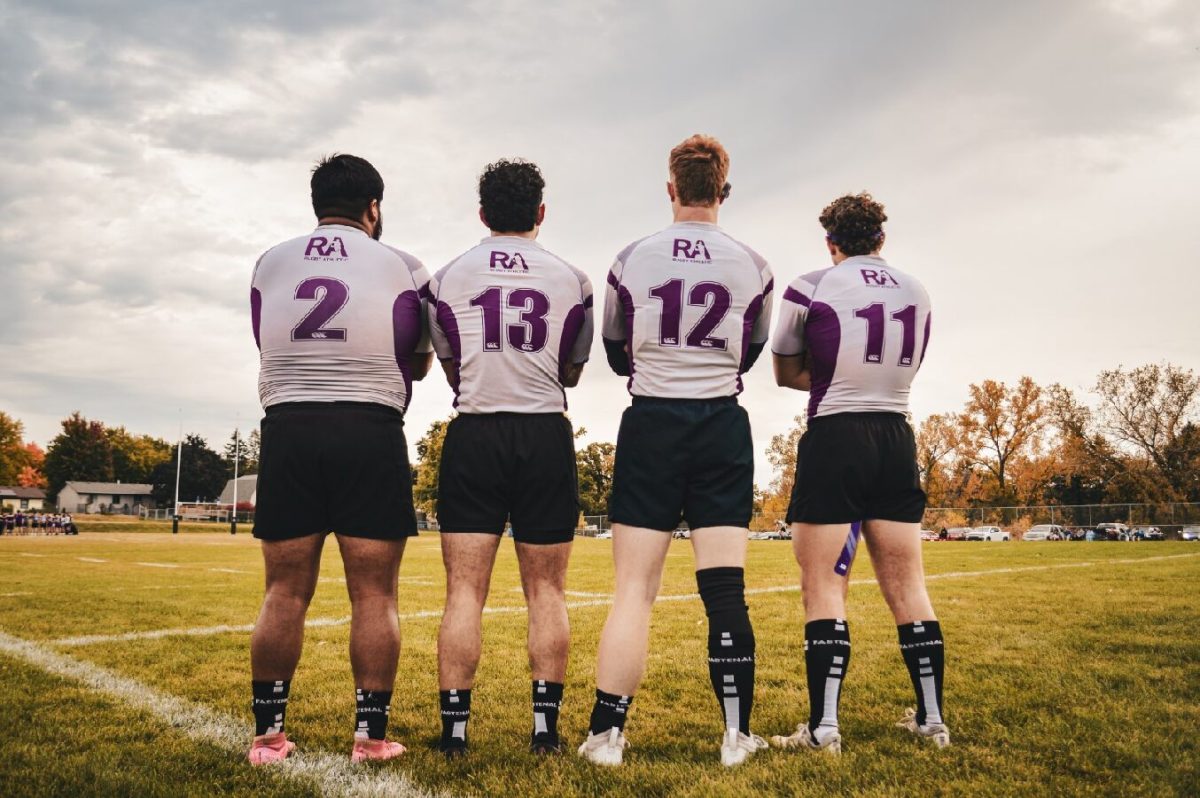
(896, 554)
(372, 567)
(544, 582)
(468, 558)
(291, 568)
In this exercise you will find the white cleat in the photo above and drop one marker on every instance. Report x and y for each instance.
(831, 743)
(936, 733)
(736, 747)
(605, 748)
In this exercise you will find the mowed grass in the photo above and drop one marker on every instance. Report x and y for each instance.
(1070, 672)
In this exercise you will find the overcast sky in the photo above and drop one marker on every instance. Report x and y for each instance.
(1040, 163)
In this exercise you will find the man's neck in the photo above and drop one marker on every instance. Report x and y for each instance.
(342, 220)
(696, 213)
(530, 234)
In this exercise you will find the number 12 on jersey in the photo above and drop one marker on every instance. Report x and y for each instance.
(873, 314)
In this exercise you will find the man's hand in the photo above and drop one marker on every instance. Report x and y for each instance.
(793, 371)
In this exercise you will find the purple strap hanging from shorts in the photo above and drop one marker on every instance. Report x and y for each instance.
(848, 551)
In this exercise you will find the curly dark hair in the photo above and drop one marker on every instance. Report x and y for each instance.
(510, 193)
(344, 185)
(855, 223)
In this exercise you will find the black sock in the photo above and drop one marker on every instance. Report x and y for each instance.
(730, 643)
(925, 655)
(371, 713)
(547, 700)
(609, 711)
(456, 711)
(270, 704)
(826, 657)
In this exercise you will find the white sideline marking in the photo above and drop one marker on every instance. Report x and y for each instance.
(157, 564)
(90, 559)
(329, 773)
(154, 634)
(27, 554)
(228, 571)
(14, 595)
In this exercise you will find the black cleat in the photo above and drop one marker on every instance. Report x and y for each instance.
(545, 745)
(454, 752)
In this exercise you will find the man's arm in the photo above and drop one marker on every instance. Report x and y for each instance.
(793, 371)
(451, 370)
(419, 363)
(618, 357)
(571, 374)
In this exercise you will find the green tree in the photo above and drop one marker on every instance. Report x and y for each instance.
(429, 462)
(594, 464)
(247, 456)
(13, 457)
(202, 478)
(136, 456)
(82, 451)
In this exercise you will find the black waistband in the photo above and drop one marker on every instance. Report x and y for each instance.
(287, 408)
(511, 414)
(664, 400)
(873, 415)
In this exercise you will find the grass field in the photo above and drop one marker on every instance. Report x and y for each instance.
(1073, 669)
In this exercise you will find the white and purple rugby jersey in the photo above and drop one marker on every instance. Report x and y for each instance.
(337, 316)
(688, 302)
(865, 326)
(513, 317)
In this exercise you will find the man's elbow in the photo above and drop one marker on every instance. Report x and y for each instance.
(571, 375)
(419, 366)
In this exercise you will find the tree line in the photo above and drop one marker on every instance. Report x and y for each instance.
(86, 450)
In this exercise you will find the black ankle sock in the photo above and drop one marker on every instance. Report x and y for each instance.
(730, 643)
(456, 711)
(547, 700)
(269, 705)
(609, 711)
(371, 713)
(924, 654)
(826, 657)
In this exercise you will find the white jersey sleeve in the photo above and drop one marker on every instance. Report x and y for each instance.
(337, 317)
(512, 316)
(689, 303)
(865, 326)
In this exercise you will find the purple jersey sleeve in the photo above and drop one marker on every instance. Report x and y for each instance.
(582, 347)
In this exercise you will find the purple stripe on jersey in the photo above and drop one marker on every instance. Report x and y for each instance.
(752, 314)
(627, 303)
(570, 334)
(770, 286)
(449, 325)
(612, 280)
(824, 335)
(792, 295)
(587, 301)
(256, 317)
(425, 293)
(406, 333)
(925, 343)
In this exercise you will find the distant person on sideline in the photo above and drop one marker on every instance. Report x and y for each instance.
(341, 323)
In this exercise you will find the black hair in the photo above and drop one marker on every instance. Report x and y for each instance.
(510, 193)
(855, 223)
(344, 185)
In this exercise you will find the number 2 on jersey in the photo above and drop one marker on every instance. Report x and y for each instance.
(714, 296)
(873, 315)
(529, 334)
(331, 296)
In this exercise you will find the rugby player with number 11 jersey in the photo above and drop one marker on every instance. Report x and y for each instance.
(853, 336)
(512, 326)
(341, 325)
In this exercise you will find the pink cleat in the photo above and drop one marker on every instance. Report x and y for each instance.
(268, 748)
(365, 748)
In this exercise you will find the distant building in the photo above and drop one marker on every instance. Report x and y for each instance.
(17, 498)
(247, 490)
(118, 498)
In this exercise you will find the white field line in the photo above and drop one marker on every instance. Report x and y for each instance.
(90, 559)
(27, 554)
(14, 595)
(157, 564)
(229, 571)
(203, 631)
(331, 774)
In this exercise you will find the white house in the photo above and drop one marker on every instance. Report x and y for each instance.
(120, 498)
(18, 498)
(247, 490)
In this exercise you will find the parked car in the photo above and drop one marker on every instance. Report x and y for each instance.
(780, 534)
(606, 535)
(1191, 533)
(1045, 532)
(928, 534)
(682, 534)
(1112, 531)
(1147, 533)
(987, 533)
(957, 532)
(759, 536)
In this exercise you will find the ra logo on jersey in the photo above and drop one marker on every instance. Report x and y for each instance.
(325, 249)
(879, 278)
(694, 251)
(502, 260)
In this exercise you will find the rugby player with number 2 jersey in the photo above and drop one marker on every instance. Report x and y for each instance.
(687, 312)
(512, 326)
(341, 325)
(853, 336)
